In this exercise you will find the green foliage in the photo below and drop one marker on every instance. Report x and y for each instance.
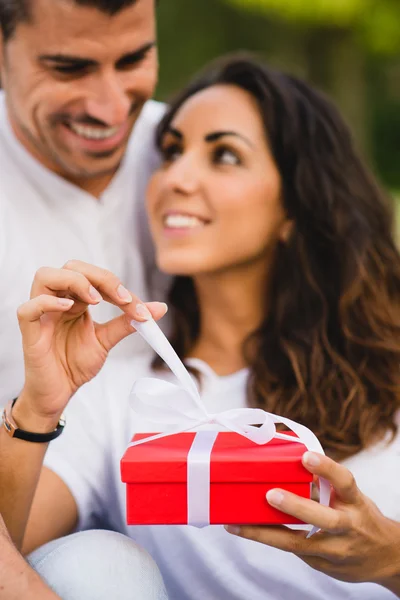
(381, 26)
(377, 21)
(316, 12)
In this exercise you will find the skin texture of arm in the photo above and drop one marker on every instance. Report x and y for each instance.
(54, 511)
(53, 515)
(17, 578)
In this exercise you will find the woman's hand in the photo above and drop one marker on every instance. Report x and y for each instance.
(357, 543)
(63, 347)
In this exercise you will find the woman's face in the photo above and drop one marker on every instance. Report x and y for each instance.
(215, 203)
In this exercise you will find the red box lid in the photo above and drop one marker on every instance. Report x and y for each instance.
(233, 459)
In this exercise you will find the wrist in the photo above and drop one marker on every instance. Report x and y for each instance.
(390, 579)
(28, 418)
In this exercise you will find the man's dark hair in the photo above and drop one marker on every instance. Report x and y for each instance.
(13, 12)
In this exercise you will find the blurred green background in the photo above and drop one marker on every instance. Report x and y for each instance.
(349, 48)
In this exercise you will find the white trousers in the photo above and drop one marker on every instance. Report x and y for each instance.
(98, 565)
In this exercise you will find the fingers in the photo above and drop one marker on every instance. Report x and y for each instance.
(309, 511)
(89, 285)
(278, 537)
(340, 478)
(53, 282)
(326, 549)
(111, 333)
(158, 310)
(323, 517)
(30, 313)
(84, 283)
(109, 286)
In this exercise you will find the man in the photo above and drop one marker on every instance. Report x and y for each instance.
(76, 148)
(76, 152)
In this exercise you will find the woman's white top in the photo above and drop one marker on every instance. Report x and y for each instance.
(197, 564)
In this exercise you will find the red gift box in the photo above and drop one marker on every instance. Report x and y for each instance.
(241, 473)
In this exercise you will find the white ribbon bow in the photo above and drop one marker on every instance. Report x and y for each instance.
(178, 409)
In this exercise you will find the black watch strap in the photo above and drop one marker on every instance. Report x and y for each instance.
(36, 438)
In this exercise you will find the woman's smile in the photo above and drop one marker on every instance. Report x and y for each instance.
(181, 224)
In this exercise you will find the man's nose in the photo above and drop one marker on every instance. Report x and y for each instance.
(109, 101)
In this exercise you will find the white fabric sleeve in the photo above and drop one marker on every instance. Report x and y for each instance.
(80, 455)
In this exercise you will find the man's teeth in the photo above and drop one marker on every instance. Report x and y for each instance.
(182, 222)
(93, 133)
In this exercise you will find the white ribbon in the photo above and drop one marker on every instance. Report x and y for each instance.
(198, 478)
(178, 409)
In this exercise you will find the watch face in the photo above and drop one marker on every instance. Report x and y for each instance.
(9, 427)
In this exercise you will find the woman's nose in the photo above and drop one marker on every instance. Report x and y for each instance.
(183, 176)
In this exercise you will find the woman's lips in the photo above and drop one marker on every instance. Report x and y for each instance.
(181, 224)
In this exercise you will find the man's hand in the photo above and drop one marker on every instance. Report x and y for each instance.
(356, 542)
(63, 347)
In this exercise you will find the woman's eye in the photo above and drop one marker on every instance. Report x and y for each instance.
(171, 153)
(226, 156)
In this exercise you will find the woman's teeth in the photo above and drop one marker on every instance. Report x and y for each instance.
(182, 222)
(93, 133)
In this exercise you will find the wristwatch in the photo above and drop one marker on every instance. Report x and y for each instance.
(37, 438)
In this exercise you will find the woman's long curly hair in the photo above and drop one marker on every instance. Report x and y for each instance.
(328, 351)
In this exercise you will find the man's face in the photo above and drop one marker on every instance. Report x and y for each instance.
(76, 80)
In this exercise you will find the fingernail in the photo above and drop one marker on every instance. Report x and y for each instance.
(94, 294)
(158, 306)
(311, 460)
(143, 312)
(232, 529)
(164, 306)
(66, 302)
(124, 294)
(275, 497)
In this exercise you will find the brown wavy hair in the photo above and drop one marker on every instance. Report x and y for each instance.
(328, 351)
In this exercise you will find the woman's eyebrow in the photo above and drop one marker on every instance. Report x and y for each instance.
(175, 132)
(211, 137)
(216, 135)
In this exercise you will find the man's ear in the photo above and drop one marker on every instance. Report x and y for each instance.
(286, 231)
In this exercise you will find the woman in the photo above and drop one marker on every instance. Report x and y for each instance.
(285, 296)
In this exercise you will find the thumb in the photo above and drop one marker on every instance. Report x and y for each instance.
(111, 333)
(158, 309)
(341, 479)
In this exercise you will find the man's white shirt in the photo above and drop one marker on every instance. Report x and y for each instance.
(46, 221)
